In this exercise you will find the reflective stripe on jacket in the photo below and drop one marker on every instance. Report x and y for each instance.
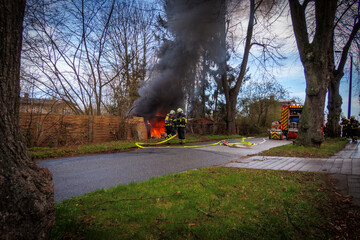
(181, 121)
(169, 120)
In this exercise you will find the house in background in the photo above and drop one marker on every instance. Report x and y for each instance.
(43, 106)
(267, 110)
(258, 115)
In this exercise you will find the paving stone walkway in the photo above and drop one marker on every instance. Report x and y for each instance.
(344, 166)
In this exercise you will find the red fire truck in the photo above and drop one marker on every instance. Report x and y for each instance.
(288, 126)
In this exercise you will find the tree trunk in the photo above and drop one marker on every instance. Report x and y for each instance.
(231, 113)
(334, 106)
(315, 57)
(334, 98)
(27, 197)
(312, 115)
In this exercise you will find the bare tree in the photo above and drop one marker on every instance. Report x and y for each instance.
(132, 40)
(91, 54)
(346, 31)
(232, 81)
(67, 42)
(27, 196)
(200, 92)
(314, 50)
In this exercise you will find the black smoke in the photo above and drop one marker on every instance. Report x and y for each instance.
(194, 24)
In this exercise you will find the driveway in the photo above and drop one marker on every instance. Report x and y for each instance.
(76, 176)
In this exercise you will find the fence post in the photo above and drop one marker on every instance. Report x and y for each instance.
(91, 129)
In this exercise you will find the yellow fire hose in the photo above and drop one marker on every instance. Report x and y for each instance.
(168, 139)
(222, 142)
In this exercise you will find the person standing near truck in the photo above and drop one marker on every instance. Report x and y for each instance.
(354, 128)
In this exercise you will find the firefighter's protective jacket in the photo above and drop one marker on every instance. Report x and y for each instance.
(344, 121)
(181, 120)
(169, 120)
(354, 124)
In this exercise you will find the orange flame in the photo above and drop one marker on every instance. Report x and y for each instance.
(157, 125)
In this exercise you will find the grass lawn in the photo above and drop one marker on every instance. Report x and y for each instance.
(37, 153)
(327, 149)
(211, 203)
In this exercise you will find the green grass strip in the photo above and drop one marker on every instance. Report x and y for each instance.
(327, 149)
(211, 203)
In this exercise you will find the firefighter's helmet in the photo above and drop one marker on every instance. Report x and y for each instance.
(172, 112)
(179, 110)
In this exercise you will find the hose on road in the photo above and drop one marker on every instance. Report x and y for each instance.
(222, 142)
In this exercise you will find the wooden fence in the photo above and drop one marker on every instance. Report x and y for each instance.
(60, 130)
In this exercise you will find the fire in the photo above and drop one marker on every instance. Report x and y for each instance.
(157, 125)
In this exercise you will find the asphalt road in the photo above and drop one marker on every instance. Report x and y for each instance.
(76, 176)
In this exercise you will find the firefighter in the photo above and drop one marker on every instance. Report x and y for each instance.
(170, 124)
(181, 122)
(354, 126)
(345, 126)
